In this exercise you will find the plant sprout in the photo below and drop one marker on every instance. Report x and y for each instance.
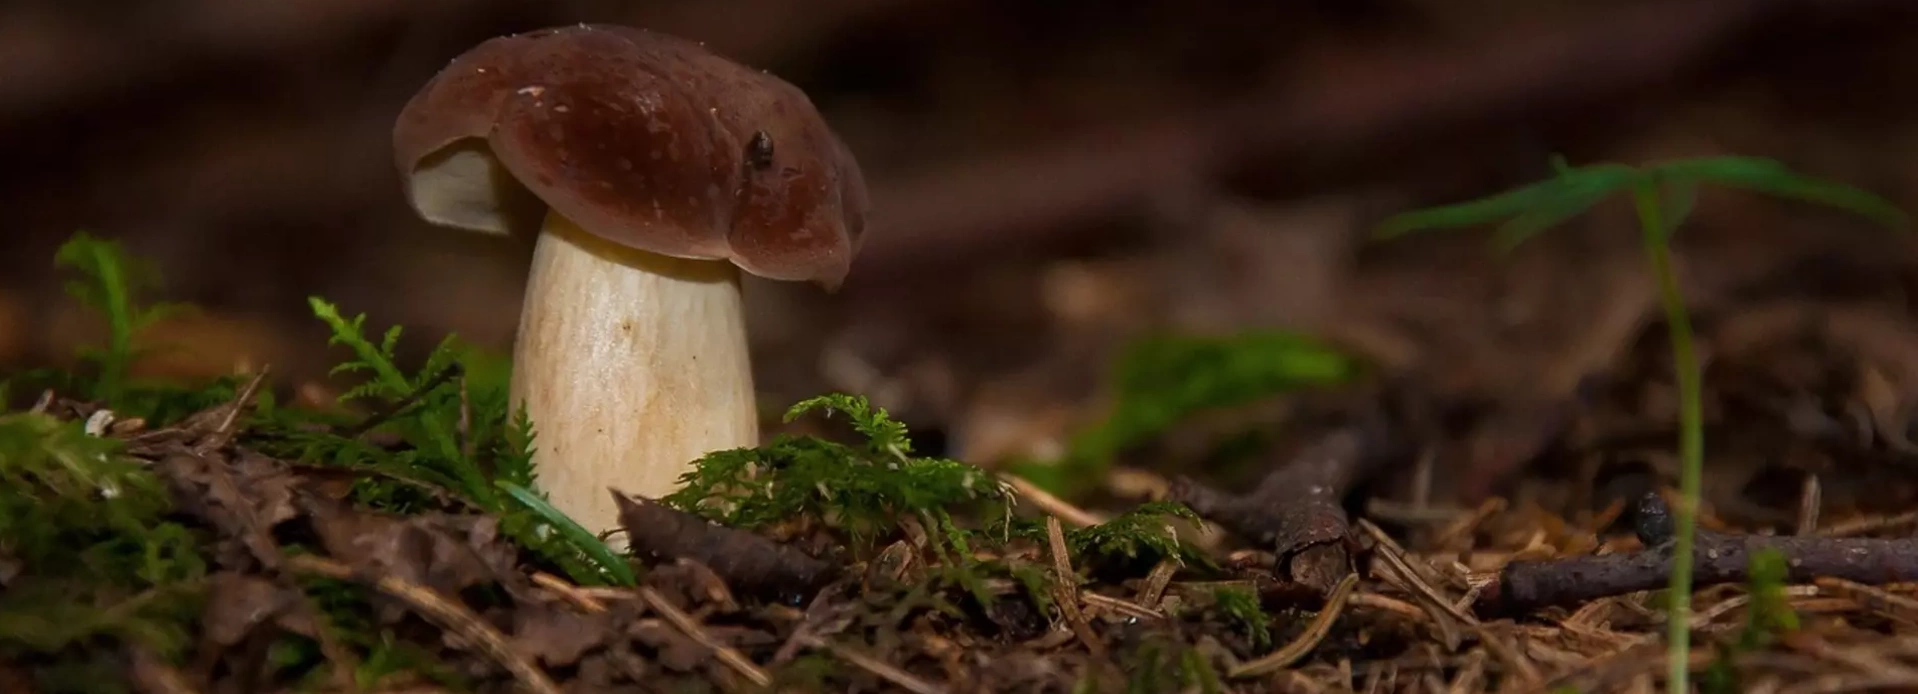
(110, 282)
(1663, 195)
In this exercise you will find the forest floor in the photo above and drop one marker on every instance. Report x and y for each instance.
(1397, 532)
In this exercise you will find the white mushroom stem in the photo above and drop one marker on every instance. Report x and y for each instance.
(631, 366)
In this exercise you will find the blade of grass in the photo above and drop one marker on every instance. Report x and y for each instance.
(608, 560)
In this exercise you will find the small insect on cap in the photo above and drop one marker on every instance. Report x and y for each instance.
(638, 137)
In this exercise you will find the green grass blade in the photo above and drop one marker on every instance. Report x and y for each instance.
(577, 535)
(1770, 176)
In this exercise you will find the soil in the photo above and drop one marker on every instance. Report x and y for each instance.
(1346, 566)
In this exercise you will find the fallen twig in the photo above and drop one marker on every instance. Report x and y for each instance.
(1899, 608)
(1124, 607)
(448, 614)
(731, 657)
(1065, 588)
(878, 668)
(1155, 582)
(223, 430)
(1297, 509)
(1864, 526)
(1721, 558)
(571, 593)
(1051, 504)
(748, 562)
(1445, 617)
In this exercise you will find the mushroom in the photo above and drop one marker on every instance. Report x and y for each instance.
(655, 171)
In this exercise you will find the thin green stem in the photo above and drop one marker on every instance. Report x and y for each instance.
(118, 304)
(1691, 446)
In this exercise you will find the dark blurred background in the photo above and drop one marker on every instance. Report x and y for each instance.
(1049, 178)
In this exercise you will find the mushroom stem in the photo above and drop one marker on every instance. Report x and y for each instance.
(631, 366)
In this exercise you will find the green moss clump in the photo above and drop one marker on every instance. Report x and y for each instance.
(88, 555)
(1131, 542)
(1163, 379)
(1140, 534)
(864, 491)
(1240, 606)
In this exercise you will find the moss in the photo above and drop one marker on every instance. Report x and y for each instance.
(93, 557)
(1160, 380)
(1129, 543)
(1240, 607)
(865, 491)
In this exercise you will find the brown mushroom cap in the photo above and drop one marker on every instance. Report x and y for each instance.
(638, 137)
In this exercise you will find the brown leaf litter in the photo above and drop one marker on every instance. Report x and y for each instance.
(1551, 582)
